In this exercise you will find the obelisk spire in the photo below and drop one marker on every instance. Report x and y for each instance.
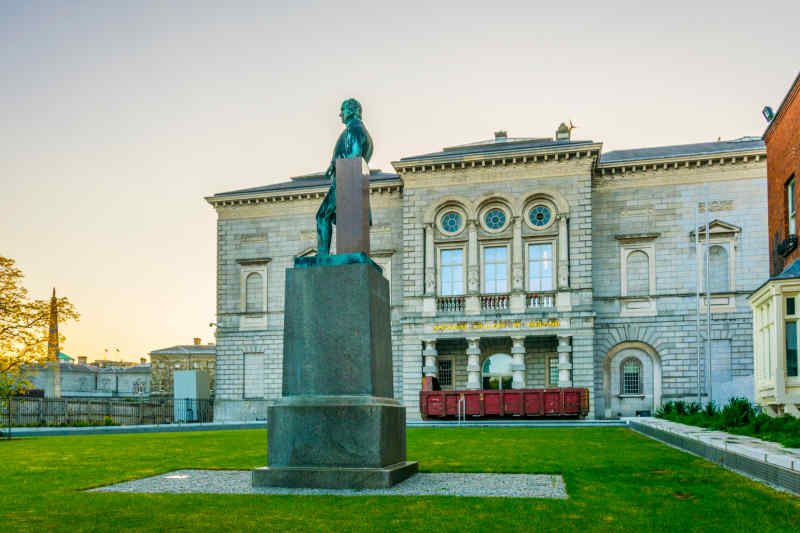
(52, 346)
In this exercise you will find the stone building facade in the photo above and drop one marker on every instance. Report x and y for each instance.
(518, 263)
(195, 356)
(80, 380)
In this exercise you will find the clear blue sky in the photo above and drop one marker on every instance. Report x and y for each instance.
(119, 117)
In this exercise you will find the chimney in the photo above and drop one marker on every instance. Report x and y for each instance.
(500, 136)
(198, 341)
(143, 361)
(82, 360)
(562, 133)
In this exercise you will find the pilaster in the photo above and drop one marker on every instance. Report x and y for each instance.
(564, 350)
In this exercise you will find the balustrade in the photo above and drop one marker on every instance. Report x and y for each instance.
(540, 300)
(450, 304)
(494, 302)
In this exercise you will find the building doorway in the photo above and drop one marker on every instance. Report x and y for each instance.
(496, 372)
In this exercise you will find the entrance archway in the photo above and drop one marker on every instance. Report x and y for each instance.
(496, 372)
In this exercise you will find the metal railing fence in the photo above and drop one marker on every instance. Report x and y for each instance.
(76, 412)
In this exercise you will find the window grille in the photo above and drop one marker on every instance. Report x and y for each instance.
(631, 378)
(552, 372)
(540, 267)
(495, 269)
(445, 372)
(452, 272)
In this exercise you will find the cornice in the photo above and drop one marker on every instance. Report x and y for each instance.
(513, 158)
(606, 174)
(289, 195)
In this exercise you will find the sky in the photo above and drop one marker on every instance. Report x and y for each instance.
(118, 118)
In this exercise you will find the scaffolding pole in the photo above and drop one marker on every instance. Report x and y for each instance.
(708, 293)
(697, 299)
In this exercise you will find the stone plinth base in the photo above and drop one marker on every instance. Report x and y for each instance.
(336, 431)
(333, 477)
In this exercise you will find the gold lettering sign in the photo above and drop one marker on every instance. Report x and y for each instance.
(498, 324)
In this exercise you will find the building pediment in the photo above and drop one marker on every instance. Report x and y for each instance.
(716, 228)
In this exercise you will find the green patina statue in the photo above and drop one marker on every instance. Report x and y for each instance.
(353, 142)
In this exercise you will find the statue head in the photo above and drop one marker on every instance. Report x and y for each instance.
(350, 109)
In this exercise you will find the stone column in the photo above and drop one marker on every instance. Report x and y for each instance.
(564, 361)
(472, 304)
(518, 365)
(517, 303)
(473, 363)
(429, 300)
(430, 353)
(563, 253)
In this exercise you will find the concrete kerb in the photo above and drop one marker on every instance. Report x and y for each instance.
(759, 460)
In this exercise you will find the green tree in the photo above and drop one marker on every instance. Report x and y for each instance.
(23, 328)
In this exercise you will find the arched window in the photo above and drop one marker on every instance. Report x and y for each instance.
(497, 372)
(638, 273)
(719, 270)
(254, 288)
(631, 376)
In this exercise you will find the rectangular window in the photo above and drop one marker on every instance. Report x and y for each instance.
(540, 267)
(445, 372)
(790, 207)
(631, 373)
(791, 349)
(452, 272)
(789, 306)
(495, 270)
(552, 372)
(254, 375)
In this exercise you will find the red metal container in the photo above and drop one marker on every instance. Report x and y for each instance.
(567, 402)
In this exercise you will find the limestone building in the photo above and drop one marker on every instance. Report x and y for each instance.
(165, 361)
(519, 263)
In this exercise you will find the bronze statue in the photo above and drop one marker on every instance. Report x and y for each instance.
(353, 142)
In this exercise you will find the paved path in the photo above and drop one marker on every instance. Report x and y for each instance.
(238, 482)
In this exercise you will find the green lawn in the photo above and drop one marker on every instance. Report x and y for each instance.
(617, 480)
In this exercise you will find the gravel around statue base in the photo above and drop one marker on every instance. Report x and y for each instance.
(447, 484)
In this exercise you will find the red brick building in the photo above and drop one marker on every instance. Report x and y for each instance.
(776, 304)
(783, 177)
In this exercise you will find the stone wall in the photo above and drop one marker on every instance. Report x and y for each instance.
(664, 210)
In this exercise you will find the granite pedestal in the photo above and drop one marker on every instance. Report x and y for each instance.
(337, 425)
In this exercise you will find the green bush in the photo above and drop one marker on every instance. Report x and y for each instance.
(737, 416)
(108, 421)
(737, 413)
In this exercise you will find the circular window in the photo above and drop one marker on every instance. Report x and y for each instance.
(540, 216)
(495, 219)
(451, 222)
